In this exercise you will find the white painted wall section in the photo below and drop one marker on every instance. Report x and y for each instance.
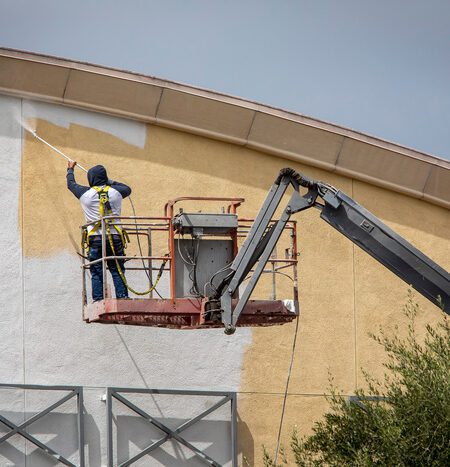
(130, 131)
(43, 339)
(11, 296)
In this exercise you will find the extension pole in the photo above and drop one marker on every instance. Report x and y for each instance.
(54, 149)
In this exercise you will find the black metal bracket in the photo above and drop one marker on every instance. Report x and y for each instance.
(359, 401)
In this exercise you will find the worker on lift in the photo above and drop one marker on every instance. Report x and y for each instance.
(102, 197)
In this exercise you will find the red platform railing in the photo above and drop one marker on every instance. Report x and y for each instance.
(183, 312)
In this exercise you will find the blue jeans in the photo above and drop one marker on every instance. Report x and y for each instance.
(95, 252)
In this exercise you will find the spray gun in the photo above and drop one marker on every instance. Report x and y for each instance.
(54, 149)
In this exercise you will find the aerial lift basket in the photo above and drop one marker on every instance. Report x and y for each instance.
(201, 247)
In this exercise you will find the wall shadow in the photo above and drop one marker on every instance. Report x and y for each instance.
(246, 444)
(134, 434)
(59, 432)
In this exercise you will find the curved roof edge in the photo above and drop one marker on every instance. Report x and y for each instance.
(226, 118)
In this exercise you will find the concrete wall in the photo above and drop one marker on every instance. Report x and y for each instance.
(344, 293)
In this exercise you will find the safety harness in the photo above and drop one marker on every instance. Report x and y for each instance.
(105, 210)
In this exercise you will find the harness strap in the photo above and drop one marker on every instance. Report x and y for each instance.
(105, 210)
(105, 207)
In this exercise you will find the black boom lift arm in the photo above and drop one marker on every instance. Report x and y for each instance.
(345, 215)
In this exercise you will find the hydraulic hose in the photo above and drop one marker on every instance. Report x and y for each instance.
(301, 179)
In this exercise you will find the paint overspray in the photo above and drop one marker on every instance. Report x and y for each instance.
(27, 127)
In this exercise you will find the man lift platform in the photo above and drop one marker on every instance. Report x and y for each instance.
(201, 248)
(212, 278)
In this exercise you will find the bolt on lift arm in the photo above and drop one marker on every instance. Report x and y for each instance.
(346, 216)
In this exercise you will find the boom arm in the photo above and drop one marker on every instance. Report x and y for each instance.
(350, 219)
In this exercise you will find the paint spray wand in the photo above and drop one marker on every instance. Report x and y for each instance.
(54, 149)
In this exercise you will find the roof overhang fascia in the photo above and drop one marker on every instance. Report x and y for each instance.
(226, 118)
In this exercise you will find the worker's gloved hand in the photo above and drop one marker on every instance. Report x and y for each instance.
(71, 164)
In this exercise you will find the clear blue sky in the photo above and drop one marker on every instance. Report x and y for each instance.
(377, 66)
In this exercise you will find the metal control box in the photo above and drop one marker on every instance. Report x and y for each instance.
(198, 224)
(197, 261)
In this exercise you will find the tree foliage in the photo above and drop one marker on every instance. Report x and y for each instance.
(403, 420)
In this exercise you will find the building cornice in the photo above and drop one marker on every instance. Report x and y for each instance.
(208, 113)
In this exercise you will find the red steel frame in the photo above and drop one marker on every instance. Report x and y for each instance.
(169, 212)
(186, 313)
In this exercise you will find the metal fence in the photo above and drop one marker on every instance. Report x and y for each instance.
(20, 429)
(165, 433)
(168, 433)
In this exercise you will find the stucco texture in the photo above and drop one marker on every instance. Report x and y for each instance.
(344, 294)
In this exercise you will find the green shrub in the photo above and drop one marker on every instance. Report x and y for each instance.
(406, 419)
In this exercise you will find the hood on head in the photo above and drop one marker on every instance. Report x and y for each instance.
(97, 176)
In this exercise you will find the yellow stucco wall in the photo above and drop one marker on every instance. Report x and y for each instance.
(344, 293)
